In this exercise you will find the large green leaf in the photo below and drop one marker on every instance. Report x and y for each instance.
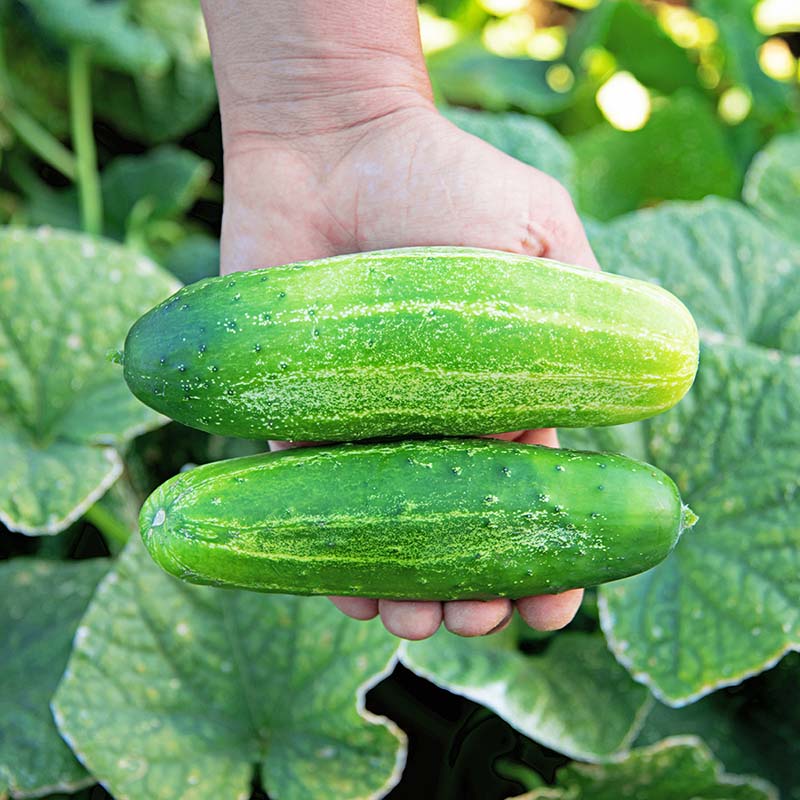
(176, 691)
(522, 137)
(772, 184)
(679, 768)
(680, 154)
(468, 74)
(752, 730)
(108, 29)
(573, 698)
(726, 603)
(64, 410)
(40, 607)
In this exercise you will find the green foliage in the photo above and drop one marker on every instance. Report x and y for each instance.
(737, 47)
(468, 74)
(632, 34)
(772, 184)
(681, 153)
(40, 607)
(680, 768)
(680, 627)
(523, 137)
(752, 731)
(175, 692)
(553, 698)
(68, 300)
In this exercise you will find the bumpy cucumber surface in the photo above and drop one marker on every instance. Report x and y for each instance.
(427, 519)
(437, 340)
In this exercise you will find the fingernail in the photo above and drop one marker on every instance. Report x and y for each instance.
(503, 622)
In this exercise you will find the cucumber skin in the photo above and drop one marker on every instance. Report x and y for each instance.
(432, 341)
(422, 519)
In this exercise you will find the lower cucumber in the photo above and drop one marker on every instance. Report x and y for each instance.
(427, 519)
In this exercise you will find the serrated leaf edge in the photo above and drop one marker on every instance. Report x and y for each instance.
(58, 525)
(111, 578)
(607, 621)
(390, 725)
(68, 787)
(494, 697)
(720, 775)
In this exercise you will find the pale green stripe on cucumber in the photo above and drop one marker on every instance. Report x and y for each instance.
(434, 340)
(436, 519)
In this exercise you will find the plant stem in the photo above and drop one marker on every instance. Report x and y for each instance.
(80, 107)
(31, 132)
(521, 773)
(40, 140)
(107, 524)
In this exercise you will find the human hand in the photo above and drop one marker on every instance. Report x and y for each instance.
(335, 162)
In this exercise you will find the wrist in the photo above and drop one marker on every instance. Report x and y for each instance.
(296, 71)
(307, 101)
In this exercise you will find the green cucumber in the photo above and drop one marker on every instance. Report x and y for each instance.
(437, 340)
(437, 519)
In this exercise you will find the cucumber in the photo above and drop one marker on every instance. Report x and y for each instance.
(437, 340)
(438, 519)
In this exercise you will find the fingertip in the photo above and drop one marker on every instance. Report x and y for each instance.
(477, 617)
(547, 437)
(550, 612)
(361, 608)
(411, 619)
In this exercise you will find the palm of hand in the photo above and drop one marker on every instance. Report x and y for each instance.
(410, 178)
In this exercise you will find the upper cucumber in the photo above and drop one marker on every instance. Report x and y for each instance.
(436, 340)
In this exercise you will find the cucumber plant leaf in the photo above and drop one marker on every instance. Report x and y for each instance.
(176, 691)
(107, 28)
(155, 107)
(40, 607)
(726, 603)
(751, 731)
(468, 74)
(678, 768)
(65, 411)
(680, 154)
(523, 137)
(772, 184)
(573, 698)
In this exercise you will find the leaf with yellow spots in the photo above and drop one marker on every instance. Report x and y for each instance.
(174, 692)
(40, 607)
(64, 409)
(678, 768)
(726, 604)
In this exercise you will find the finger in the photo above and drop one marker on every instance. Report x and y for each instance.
(356, 607)
(549, 612)
(542, 436)
(275, 445)
(477, 617)
(410, 619)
